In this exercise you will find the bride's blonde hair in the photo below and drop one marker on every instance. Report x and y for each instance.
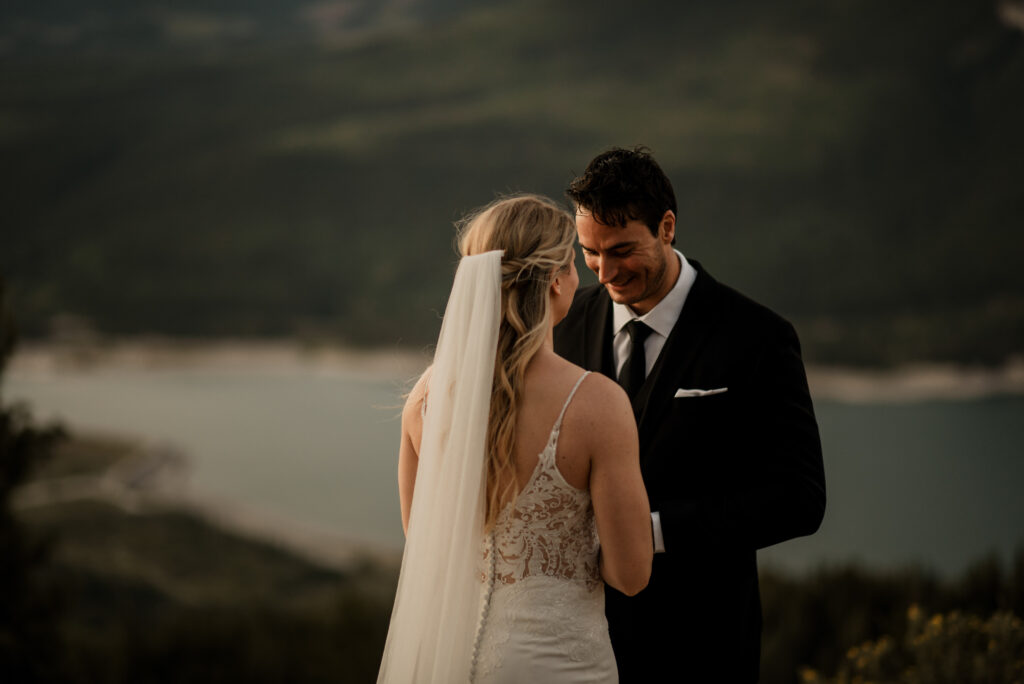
(537, 236)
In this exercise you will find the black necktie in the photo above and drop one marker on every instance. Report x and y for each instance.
(634, 371)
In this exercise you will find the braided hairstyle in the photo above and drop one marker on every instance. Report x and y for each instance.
(537, 236)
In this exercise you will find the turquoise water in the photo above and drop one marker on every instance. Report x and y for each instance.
(935, 482)
(938, 482)
(319, 447)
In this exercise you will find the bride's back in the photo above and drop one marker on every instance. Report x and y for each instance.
(595, 453)
(549, 381)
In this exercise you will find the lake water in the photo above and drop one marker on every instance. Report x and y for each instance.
(933, 482)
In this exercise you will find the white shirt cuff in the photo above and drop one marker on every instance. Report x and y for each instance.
(659, 540)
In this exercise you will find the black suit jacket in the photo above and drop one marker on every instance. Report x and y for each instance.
(729, 473)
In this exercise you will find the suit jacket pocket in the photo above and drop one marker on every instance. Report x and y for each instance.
(692, 449)
(703, 421)
(687, 393)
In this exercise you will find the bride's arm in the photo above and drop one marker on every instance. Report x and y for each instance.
(408, 451)
(621, 509)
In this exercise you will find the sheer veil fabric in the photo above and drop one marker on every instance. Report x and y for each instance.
(436, 614)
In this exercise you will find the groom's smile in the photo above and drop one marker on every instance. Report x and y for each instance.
(636, 267)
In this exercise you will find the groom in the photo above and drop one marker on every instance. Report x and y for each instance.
(729, 445)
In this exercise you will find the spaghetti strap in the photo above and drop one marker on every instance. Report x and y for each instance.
(558, 423)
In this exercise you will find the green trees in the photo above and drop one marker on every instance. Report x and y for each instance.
(854, 165)
(954, 648)
(848, 624)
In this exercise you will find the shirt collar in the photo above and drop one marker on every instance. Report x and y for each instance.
(662, 318)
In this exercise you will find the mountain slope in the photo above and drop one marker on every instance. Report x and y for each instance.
(856, 166)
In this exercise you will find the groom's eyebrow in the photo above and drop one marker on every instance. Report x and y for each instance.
(617, 246)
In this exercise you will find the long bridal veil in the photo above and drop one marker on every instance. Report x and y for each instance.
(435, 618)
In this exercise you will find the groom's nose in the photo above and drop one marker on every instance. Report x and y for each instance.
(606, 270)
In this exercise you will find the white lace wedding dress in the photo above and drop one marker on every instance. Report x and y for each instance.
(542, 613)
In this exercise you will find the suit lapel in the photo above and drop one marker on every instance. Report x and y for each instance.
(598, 343)
(684, 343)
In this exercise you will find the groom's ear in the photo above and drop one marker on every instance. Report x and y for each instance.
(667, 227)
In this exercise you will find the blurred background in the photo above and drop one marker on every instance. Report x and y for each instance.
(226, 243)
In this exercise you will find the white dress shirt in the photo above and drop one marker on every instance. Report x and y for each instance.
(661, 319)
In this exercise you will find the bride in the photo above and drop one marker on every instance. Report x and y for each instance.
(525, 468)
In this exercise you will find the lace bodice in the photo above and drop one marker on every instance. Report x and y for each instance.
(542, 602)
(548, 530)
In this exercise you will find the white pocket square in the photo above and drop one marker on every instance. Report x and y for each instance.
(700, 392)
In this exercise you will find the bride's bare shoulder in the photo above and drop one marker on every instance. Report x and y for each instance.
(596, 394)
(602, 405)
(416, 397)
(603, 393)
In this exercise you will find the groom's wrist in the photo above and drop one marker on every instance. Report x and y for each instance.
(659, 539)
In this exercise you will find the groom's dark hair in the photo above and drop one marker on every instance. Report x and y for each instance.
(621, 185)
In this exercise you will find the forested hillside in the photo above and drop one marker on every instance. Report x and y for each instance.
(230, 168)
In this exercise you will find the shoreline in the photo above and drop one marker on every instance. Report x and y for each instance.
(224, 354)
(915, 382)
(908, 383)
(147, 477)
(158, 477)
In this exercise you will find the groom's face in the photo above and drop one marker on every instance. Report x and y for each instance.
(633, 265)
